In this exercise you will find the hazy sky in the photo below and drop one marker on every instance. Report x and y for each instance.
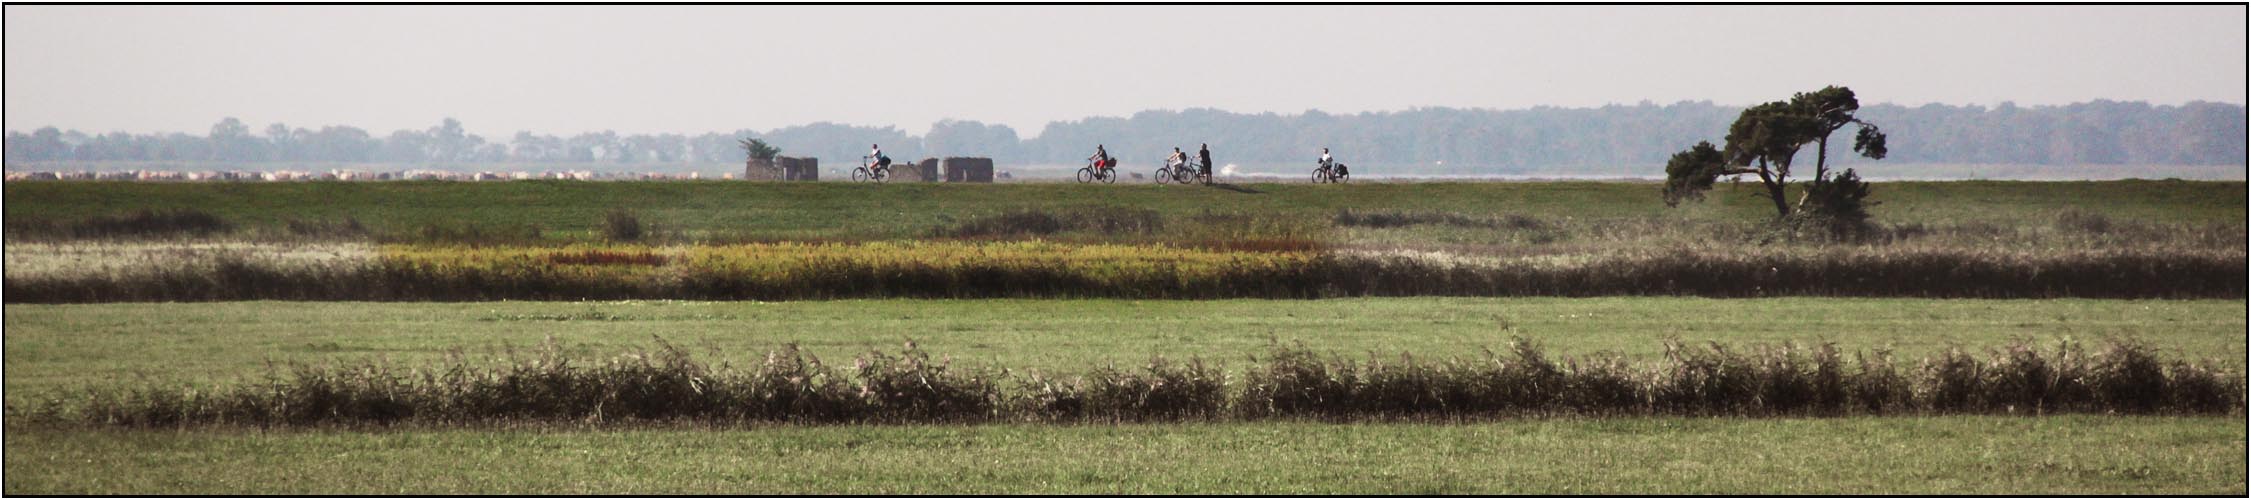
(693, 69)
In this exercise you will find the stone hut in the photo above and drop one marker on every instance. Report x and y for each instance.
(761, 169)
(963, 169)
(922, 171)
(798, 169)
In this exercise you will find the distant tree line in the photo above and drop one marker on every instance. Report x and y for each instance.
(2099, 132)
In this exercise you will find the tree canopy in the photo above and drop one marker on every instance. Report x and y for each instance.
(758, 150)
(1765, 141)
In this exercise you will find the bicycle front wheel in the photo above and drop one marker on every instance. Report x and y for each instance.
(1086, 174)
(1164, 175)
(860, 174)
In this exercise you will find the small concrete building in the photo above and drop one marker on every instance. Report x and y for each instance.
(964, 169)
(799, 169)
(782, 168)
(758, 169)
(921, 171)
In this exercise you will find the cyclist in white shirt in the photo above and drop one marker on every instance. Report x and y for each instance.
(876, 153)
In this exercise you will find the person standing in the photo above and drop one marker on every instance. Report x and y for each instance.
(1203, 155)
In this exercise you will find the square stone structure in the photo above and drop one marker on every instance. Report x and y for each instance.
(761, 170)
(963, 169)
(799, 169)
(922, 171)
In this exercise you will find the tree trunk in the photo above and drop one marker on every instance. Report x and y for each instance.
(1820, 168)
(1774, 191)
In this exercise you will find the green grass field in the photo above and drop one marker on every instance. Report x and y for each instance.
(61, 346)
(59, 349)
(840, 210)
(1893, 455)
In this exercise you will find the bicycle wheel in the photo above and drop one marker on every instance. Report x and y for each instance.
(1318, 178)
(1109, 176)
(1164, 175)
(1341, 177)
(1086, 174)
(879, 174)
(860, 174)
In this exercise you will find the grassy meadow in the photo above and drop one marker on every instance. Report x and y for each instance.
(814, 211)
(110, 242)
(204, 288)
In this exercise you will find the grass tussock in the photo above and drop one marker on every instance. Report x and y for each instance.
(1290, 382)
(619, 225)
(1159, 390)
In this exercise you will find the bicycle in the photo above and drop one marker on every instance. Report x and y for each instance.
(867, 171)
(1328, 174)
(1107, 172)
(1181, 173)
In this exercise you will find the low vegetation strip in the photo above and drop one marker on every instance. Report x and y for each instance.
(1289, 382)
(1035, 269)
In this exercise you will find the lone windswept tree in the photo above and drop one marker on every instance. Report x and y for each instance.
(1765, 140)
(758, 149)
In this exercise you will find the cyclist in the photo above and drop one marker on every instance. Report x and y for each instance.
(876, 153)
(1325, 160)
(1178, 159)
(1101, 157)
